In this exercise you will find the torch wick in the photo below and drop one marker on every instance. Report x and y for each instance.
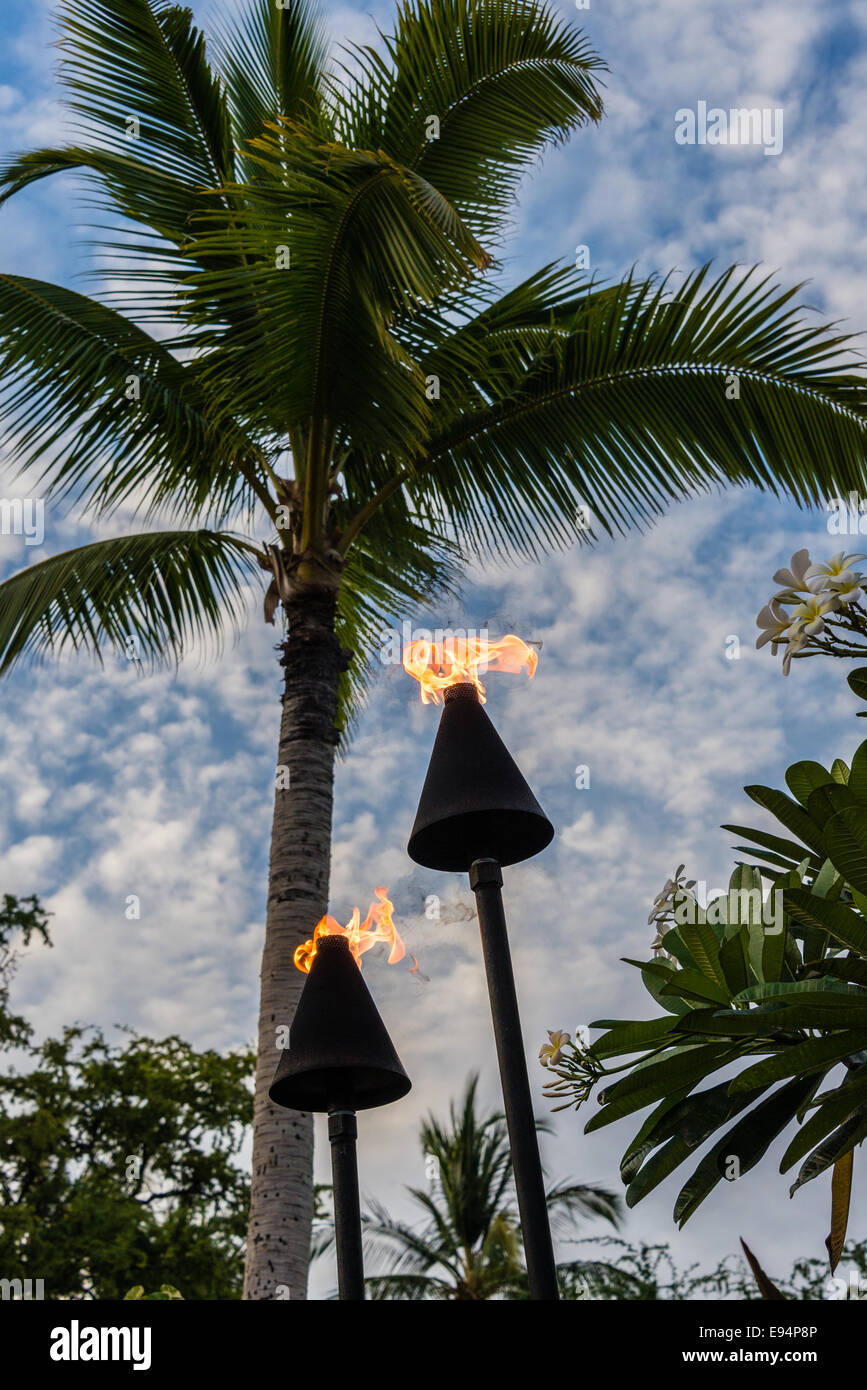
(461, 690)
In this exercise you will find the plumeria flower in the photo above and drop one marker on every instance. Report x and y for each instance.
(837, 577)
(811, 592)
(847, 587)
(795, 645)
(794, 579)
(838, 565)
(663, 903)
(774, 621)
(808, 619)
(550, 1053)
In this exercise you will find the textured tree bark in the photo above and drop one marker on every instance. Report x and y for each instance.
(281, 1203)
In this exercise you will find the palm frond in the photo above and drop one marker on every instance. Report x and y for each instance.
(162, 590)
(335, 244)
(622, 408)
(408, 1287)
(153, 117)
(502, 78)
(568, 1202)
(411, 1250)
(145, 58)
(273, 60)
(107, 411)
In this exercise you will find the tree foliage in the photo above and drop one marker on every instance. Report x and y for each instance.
(315, 338)
(782, 999)
(118, 1159)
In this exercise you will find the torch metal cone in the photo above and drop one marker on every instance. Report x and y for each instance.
(475, 803)
(339, 1051)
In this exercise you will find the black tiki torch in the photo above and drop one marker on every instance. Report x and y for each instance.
(477, 814)
(340, 1059)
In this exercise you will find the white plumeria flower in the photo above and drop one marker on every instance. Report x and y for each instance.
(795, 645)
(774, 621)
(552, 1052)
(808, 619)
(664, 906)
(837, 566)
(837, 579)
(847, 587)
(794, 579)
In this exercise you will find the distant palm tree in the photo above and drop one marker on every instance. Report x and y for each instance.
(300, 362)
(470, 1244)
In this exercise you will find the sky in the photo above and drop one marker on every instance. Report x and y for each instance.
(161, 786)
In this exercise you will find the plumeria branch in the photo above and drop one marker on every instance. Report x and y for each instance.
(826, 609)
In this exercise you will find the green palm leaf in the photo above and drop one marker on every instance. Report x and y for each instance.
(274, 60)
(82, 384)
(621, 406)
(139, 59)
(165, 589)
(503, 80)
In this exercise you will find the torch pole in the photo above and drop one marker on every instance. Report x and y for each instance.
(343, 1132)
(486, 881)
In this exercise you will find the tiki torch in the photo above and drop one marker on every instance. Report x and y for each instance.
(340, 1060)
(476, 815)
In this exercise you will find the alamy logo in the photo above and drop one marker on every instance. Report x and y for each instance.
(450, 642)
(742, 125)
(847, 517)
(719, 908)
(23, 516)
(854, 1287)
(76, 1343)
(22, 1289)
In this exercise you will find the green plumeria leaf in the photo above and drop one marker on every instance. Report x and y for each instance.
(692, 984)
(857, 680)
(836, 1106)
(792, 816)
(787, 851)
(857, 783)
(845, 836)
(803, 778)
(624, 1038)
(645, 1084)
(815, 1054)
(839, 921)
(704, 947)
(826, 800)
(835, 1147)
(744, 1145)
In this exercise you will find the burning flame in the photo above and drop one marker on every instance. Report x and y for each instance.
(377, 926)
(437, 665)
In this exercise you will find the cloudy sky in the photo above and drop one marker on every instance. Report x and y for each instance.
(161, 786)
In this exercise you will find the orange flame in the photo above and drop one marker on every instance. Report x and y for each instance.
(377, 926)
(437, 665)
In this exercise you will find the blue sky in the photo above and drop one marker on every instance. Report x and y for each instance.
(161, 786)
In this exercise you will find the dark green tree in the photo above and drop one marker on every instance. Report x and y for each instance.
(117, 1159)
(25, 918)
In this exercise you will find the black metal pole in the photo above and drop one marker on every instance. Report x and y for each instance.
(486, 881)
(343, 1132)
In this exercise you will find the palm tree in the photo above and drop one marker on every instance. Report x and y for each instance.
(470, 1244)
(310, 370)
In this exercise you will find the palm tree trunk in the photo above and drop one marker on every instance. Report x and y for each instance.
(281, 1199)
